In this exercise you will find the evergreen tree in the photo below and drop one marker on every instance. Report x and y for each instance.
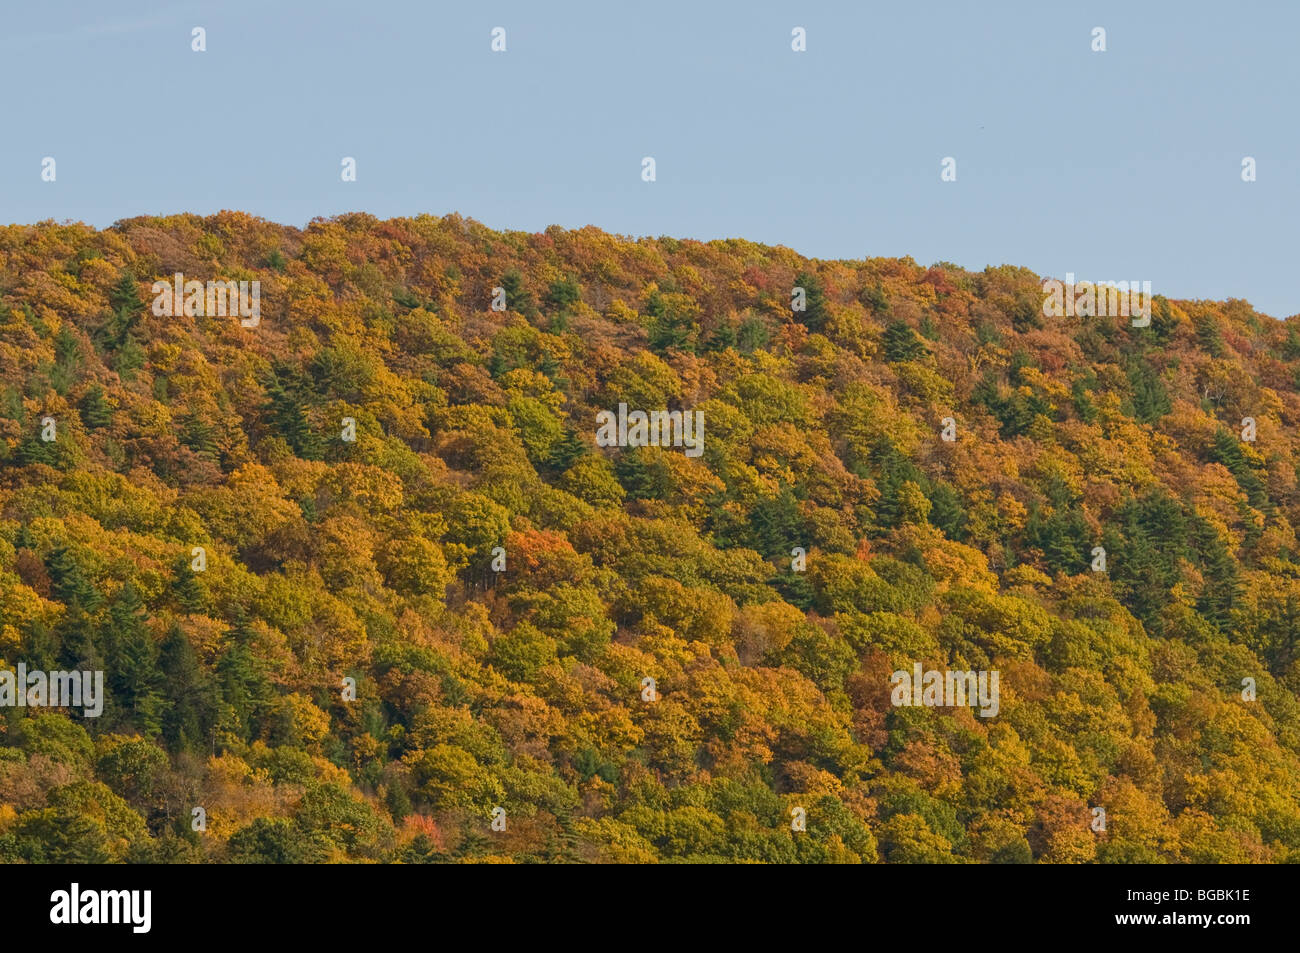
(186, 587)
(562, 295)
(1059, 528)
(751, 335)
(76, 631)
(199, 436)
(550, 368)
(77, 636)
(246, 691)
(669, 329)
(815, 313)
(948, 512)
(1226, 450)
(1083, 405)
(1150, 399)
(874, 299)
(777, 525)
(1163, 322)
(129, 357)
(40, 646)
(1219, 570)
(34, 450)
(68, 582)
(1027, 312)
(1290, 349)
(1209, 337)
(566, 450)
(23, 537)
(124, 299)
(288, 418)
(1144, 554)
(518, 298)
(642, 477)
(891, 469)
(795, 589)
(721, 338)
(187, 716)
(67, 360)
(902, 344)
(95, 410)
(125, 295)
(133, 662)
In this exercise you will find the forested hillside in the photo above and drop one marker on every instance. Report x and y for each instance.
(1161, 690)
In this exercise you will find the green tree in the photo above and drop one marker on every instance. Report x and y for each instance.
(902, 344)
(518, 298)
(95, 410)
(187, 716)
(133, 662)
(815, 313)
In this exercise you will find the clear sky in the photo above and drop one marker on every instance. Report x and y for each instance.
(1117, 165)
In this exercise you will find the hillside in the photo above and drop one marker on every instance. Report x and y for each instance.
(182, 508)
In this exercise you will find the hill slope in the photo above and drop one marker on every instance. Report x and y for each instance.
(182, 444)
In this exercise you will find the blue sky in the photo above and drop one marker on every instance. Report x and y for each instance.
(1117, 165)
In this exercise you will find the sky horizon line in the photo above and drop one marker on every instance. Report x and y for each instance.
(625, 236)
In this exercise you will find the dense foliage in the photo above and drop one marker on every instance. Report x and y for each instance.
(372, 560)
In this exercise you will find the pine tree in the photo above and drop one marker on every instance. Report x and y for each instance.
(1209, 337)
(795, 589)
(562, 295)
(1219, 570)
(873, 297)
(815, 313)
(1150, 399)
(40, 646)
(642, 477)
(1144, 554)
(567, 450)
(187, 589)
(777, 525)
(721, 338)
(288, 419)
(890, 469)
(23, 537)
(95, 411)
(1062, 535)
(124, 299)
(125, 295)
(751, 335)
(69, 584)
(1227, 451)
(187, 718)
(129, 357)
(947, 510)
(1083, 405)
(199, 436)
(34, 450)
(133, 661)
(518, 298)
(77, 636)
(67, 359)
(669, 329)
(245, 688)
(902, 344)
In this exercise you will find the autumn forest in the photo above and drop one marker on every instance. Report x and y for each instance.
(365, 586)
